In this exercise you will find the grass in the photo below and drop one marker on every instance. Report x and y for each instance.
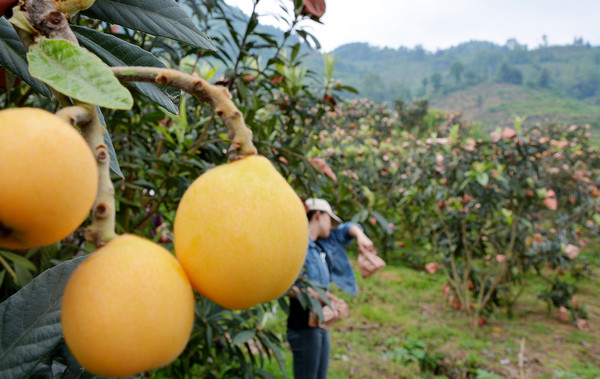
(400, 304)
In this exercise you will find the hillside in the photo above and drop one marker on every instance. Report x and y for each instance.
(488, 82)
(497, 104)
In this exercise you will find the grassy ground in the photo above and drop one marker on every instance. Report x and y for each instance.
(401, 316)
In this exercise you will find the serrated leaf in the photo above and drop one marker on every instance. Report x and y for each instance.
(30, 327)
(75, 72)
(243, 336)
(163, 18)
(13, 57)
(116, 52)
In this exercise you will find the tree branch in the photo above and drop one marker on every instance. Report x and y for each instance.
(217, 97)
(102, 229)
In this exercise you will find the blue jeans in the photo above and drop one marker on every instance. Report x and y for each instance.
(310, 348)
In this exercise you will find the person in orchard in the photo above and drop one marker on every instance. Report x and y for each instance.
(326, 262)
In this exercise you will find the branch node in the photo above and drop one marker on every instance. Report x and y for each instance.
(163, 79)
(102, 154)
(198, 85)
(102, 210)
(75, 115)
(54, 19)
(226, 92)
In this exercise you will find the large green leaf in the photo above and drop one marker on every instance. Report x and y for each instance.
(13, 58)
(30, 327)
(163, 18)
(75, 72)
(116, 52)
(243, 336)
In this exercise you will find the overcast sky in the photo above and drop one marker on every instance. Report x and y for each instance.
(439, 24)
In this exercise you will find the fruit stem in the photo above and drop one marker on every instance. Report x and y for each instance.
(102, 228)
(217, 97)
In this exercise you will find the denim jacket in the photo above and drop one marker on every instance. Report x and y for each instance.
(327, 261)
(316, 265)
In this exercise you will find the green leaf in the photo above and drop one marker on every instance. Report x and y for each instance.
(361, 216)
(24, 276)
(77, 73)
(60, 363)
(114, 161)
(348, 88)
(243, 336)
(278, 354)
(482, 178)
(18, 259)
(116, 52)
(163, 18)
(383, 222)
(30, 326)
(13, 57)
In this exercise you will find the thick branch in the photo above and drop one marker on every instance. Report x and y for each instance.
(75, 115)
(102, 229)
(217, 97)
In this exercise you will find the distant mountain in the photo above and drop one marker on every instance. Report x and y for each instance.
(489, 82)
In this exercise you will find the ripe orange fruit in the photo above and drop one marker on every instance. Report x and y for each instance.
(48, 178)
(127, 308)
(241, 233)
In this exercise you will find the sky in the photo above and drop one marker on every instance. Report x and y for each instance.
(439, 24)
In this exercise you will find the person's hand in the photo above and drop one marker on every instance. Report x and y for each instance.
(365, 245)
(165, 234)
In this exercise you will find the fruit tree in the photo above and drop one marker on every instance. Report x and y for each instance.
(179, 131)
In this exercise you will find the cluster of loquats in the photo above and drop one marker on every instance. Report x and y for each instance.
(240, 239)
(130, 306)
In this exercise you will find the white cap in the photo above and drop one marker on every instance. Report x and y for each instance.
(314, 204)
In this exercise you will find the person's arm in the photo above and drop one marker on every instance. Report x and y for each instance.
(364, 243)
(312, 293)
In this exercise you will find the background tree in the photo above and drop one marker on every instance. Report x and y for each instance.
(510, 75)
(436, 81)
(544, 80)
(456, 70)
